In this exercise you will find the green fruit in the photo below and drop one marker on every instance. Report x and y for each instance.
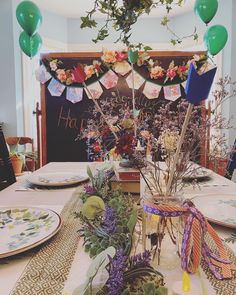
(93, 207)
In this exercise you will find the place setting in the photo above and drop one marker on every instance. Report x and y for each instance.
(52, 181)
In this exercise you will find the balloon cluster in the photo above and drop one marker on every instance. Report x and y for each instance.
(216, 36)
(29, 17)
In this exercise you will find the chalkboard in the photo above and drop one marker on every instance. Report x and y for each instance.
(63, 121)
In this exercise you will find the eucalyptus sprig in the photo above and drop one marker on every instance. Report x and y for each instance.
(122, 15)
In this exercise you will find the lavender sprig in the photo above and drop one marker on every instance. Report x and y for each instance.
(109, 224)
(118, 264)
(141, 259)
(89, 189)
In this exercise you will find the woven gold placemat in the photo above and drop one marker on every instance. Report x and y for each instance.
(222, 287)
(48, 269)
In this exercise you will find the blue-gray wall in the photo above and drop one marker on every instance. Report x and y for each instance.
(54, 27)
(7, 72)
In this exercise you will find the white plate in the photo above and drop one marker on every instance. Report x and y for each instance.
(218, 208)
(57, 178)
(24, 228)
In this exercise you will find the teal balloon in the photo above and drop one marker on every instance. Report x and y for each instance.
(215, 38)
(29, 17)
(133, 56)
(206, 9)
(30, 45)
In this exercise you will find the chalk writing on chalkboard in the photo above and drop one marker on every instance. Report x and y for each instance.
(65, 120)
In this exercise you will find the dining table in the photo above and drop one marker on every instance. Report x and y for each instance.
(59, 265)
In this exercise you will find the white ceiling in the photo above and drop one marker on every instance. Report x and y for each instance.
(77, 8)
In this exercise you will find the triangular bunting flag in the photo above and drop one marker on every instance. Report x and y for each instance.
(55, 88)
(172, 92)
(121, 67)
(42, 75)
(138, 80)
(109, 80)
(95, 89)
(151, 90)
(74, 94)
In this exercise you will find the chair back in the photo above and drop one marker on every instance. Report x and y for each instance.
(232, 163)
(7, 175)
(30, 160)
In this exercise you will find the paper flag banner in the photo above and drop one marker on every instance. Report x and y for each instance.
(184, 84)
(151, 90)
(172, 92)
(109, 80)
(138, 80)
(95, 89)
(55, 88)
(42, 75)
(122, 67)
(74, 94)
(198, 86)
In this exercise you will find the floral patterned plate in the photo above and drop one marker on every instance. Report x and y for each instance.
(218, 208)
(24, 228)
(57, 178)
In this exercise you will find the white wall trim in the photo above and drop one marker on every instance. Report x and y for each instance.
(54, 44)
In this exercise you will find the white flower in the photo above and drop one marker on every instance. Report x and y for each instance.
(53, 65)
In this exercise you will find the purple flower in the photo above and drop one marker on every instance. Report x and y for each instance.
(115, 282)
(109, 224)
(141, 259)
(89, 189)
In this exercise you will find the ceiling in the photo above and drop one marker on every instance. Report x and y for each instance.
(77, 8)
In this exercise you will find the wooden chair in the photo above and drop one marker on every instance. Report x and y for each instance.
(231, 163)
(30, 161)
(7, 176)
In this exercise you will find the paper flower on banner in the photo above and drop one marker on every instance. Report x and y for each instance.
(198, 86)
(55, 88)
(172, 92)
(109, 80)
(79, 74)
(95, 89)
(42, 75)
(74, 94)
(122, 67)
(138, 80)
(151, 90)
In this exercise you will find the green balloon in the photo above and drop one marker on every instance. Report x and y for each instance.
(29, 17)
(206, 9)
(133, 56)
(30, 45)
(215, 38)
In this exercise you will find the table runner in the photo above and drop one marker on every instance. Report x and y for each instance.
(48, 269)
(222, 287)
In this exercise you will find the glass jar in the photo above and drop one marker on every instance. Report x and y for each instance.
(162, 234)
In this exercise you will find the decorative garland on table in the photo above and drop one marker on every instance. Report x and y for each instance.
(112, 65)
